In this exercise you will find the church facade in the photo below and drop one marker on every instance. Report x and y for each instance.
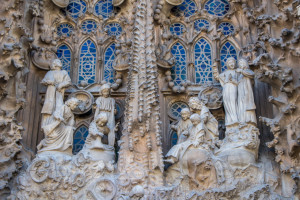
(140, 99)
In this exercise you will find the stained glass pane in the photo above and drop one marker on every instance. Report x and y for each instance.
(178, 71)
(177, 29)
(76, 8)
(64, 54)
(227, 51)
(226, 28)
(176, 109)
(114, 29)
(89, 26)
(200, 24)
(79, 139)
(109, 57)
(187, 8)
(203, 62)
(104, 8)
(65, 30)
(217, 7)
(87, 62)
(174, 138)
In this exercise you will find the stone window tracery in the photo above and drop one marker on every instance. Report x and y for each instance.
(76, 8)
(109, 57)
(104, 8)
(178, 71)
(114, 29)
(227, 51)
(87, 62)
(89, 26)
(174, 138)
(226, 28)
(65, 55)
(65, 29)
(203, 61)
(199, 24)
(176, 108)
(79, 138)
(217, 7)
(187, 9)
(177, 29)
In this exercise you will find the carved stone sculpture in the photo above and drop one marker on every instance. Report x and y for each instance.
(183, 125)
(59, 130)
(246, 105)
(96, 144)
(57, 81)
(106, 104)
(228, 80)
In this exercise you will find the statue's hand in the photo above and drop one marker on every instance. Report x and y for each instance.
(195, 143)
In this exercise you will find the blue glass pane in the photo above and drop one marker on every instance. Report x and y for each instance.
(104, 8)
(178, 71)
(87, 62)
(65, 29)
(64, 54)
(217, 7)
(227, 51)
(114, 29)
(177, 29)
(76, 8)
(203, 62)
(226, 28)
(176, 109)
(174, 138)
(201, 24)
(109, 57)
(187, 8)
(89, 26)
(79, 139)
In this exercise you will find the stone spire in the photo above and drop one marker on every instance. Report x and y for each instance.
(140, 159)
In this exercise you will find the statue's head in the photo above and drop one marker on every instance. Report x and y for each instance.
(195, 103)
(101, 120)
(185, 113)
(56, 64)
(243, 63)
(72, 103)
(105, 90)
(230, 63)
(195, 119)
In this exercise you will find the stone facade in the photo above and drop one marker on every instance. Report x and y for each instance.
(161, 99)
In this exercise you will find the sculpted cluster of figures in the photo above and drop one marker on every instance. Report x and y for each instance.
(58, 119)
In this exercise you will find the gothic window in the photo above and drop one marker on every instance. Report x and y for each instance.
(177, 29)
(109, 57)
(217, 7)
(226, 28)
(65, 55)
(79, 138)
(187, 8)
(203, 62)
(104, 8)
(87, 62)
(76, 8)
(174, 138)
(176, 108)
(200, 24)
(227, 51)
(178, 71)
(113, 29)
(65, 29)
(89, 26)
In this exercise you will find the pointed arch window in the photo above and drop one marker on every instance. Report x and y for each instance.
(174, 138)
(64, 54)
(203, 61)
(87, 62)
(227, 51)
(109, 57)
(178, 71)
(79, 138)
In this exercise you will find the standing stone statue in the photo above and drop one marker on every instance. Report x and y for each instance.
(106, 104)
(57, 81)
(246, 105)
(183, 125)
(59, 129)
(229, 82)
(209, 121)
